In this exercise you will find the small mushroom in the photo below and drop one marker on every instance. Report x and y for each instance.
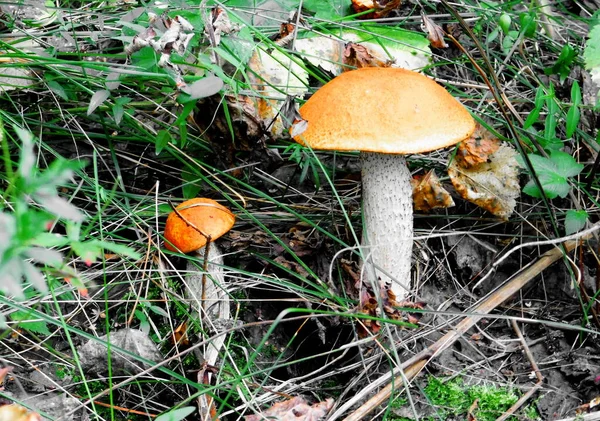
(194, 223)
(188, 229)
(385, 113)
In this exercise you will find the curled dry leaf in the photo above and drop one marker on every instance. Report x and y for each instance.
(382, 7)
(428, 193)
(477, 149)
(221, 25)
(435, 33)
(294, 409)
(275, 76)
(369, 305)
(492, 185)
(358, 56)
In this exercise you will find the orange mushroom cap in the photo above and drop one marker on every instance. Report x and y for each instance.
(384, 110)
(200, 216)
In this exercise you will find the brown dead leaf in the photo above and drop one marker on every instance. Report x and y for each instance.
(294, 409)
(428, 193)
(368, 304)
(492, 185)
(382, 7)
(180, 336)
(435, 33)
(472, 409)
(221, 25)
(356, 55)
(242, 240)
(477, 148)
(292, 266)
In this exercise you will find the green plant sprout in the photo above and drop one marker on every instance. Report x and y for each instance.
(32, 206)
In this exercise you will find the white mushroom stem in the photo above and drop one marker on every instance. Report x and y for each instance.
(214, 310)
(388, 219)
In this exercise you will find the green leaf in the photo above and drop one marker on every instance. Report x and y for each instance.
(573, 116)
(25, 322)
(562, 67)
(575, 221)
(575, 93)
(117, 248)
(192, 185)
(176, 414)
(163, 137)
(47, 239)
(327, 9)
(553, 174)
(504, 22)
(591, 53)
(88, 251)
(58, 89)
(566, 165)
(118, 112)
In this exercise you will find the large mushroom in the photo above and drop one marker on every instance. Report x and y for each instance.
(385, 113)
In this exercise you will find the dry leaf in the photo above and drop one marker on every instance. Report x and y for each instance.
(368, 304)
(477, 148)
(180, 336)
(493, 185)
(294, 409)
(16, 412)
(382, 7)
(356, 55)
(435, 34)
(428, 193)
(275, 76)
(220, 25)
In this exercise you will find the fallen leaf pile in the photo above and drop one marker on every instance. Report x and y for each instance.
(428, 193)
(486, 173)
(294, 409)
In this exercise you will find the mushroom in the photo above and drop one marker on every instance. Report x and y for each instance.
(189, 228)
(385, 113)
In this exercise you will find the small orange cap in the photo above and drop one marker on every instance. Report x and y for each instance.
(200, 214)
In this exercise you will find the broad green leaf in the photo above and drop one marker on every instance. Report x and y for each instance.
(575, 221)
(25, 322)
(553, 174)
(566, 165)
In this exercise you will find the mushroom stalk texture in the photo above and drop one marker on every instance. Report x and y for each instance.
(388, 219)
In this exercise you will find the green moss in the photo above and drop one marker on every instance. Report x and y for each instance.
(452, 398)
